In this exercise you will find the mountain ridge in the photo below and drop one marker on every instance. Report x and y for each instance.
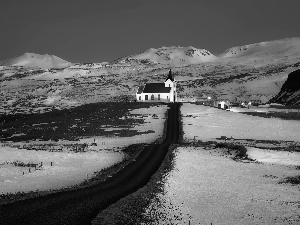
(172, 55)
(266, 46)
(256, 76)
(36, 60)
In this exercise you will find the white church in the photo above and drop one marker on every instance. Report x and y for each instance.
(158, 92)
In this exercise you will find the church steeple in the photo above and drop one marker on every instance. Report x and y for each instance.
(170, 76)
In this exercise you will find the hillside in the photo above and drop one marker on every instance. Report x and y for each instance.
(284, 47)
(264, 52)
(172, 55)
(290, 91)
(36, 60)
(256, 74)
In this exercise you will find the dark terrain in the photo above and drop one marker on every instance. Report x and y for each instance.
(72, 124)
(289, 93)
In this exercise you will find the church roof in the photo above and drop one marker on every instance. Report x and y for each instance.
(156, 88)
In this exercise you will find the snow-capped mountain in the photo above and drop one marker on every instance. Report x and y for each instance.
(254, 72)
(36, 60)
(284, 47)
(172, 56)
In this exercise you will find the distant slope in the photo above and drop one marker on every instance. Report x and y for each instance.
(172, 55)
(290, 90)
(36, 60)
(256, 72)
(284, 47)
(258, 54)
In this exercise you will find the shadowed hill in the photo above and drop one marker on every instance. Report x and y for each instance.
(290, 91)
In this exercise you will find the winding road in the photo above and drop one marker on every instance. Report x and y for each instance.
(81, 206)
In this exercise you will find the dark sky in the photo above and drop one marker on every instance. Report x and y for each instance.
(104, 30)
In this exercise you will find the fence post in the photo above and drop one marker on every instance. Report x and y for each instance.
(195, 138)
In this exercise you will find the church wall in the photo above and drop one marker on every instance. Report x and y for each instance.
(168, 83)
(164, 97)
(139, 97)
(173, 94)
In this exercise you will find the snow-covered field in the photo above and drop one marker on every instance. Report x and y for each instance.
(286, 158)
(207, 123)
(67, 168)
(206, 188)
(262, 109)
(72, 168)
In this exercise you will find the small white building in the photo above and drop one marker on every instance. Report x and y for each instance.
(223, 104)
(158, 92)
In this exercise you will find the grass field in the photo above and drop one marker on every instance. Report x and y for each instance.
(97, 119)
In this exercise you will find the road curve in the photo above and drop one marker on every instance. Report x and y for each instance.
(81, 206)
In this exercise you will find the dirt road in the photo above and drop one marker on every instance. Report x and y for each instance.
(81, 206)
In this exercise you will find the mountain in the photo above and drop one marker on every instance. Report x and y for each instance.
(254, 72)
(290, 91)
(36, 60)
(175, 56)
(264, 52)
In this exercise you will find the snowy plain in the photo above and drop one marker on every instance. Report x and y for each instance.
(208, 187)
(58, 170)
(69, 168)
(208, 123)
